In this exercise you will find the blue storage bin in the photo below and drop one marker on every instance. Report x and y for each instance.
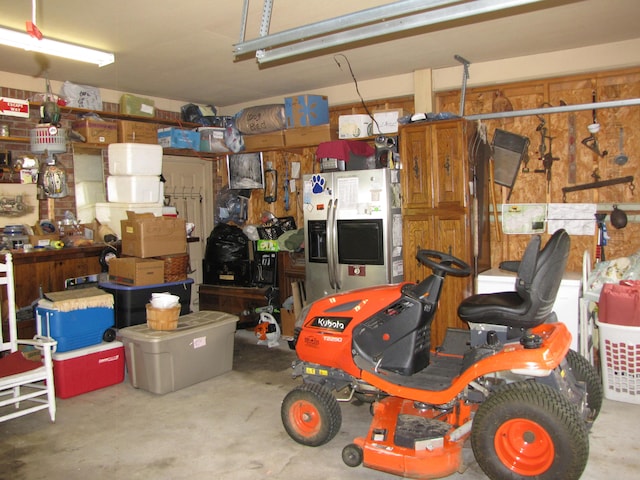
(75, 318)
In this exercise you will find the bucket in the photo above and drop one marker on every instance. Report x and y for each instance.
(162, 318)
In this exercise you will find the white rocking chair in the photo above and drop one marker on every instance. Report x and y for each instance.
(25, 384)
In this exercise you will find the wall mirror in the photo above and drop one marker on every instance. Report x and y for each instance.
(88, 173)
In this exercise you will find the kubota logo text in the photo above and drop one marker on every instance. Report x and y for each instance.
(337, 324)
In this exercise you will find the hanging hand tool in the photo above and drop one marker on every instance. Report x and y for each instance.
(591, 142)
(465, 76)
(494, 203)
(599, 184)
(602, 237)
(546, 157)
(571, 131)
(621, 158)
(286, 184)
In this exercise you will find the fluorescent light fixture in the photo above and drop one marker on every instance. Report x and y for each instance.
(13, 38)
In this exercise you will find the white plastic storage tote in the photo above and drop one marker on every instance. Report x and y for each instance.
(135, 159)
(134, 189)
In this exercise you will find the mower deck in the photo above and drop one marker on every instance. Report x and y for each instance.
(411, 442)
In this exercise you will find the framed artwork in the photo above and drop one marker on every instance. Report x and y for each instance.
(245, 171)
(18, 204)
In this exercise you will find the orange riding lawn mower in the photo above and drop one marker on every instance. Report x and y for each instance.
(510, 383)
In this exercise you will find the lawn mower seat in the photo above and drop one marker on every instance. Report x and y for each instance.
(537, 284)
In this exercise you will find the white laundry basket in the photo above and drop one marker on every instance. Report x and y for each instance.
(620, 361)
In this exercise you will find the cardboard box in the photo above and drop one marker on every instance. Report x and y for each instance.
(144, 235)
(112, 213)
(42, 240)
(136, 271)
(287, 322)
(386, 121)
(172, 137)
(304, 136)
(134, 105)
(264, 141)
(86, 369)
(288, 316)
(354, 126)
(306, 110)
(96, 131)
(137, 132)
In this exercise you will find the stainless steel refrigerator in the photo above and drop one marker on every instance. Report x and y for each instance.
(353, 229)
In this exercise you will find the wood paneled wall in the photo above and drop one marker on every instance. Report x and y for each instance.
(532, 187)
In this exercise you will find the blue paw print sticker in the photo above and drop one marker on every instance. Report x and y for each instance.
(317, 184)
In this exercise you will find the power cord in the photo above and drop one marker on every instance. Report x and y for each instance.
(355, 82)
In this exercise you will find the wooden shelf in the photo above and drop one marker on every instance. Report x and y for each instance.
(15, 139)
(187, 152)
(123, 116)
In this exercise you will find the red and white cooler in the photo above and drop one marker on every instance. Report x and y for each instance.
(86, 369)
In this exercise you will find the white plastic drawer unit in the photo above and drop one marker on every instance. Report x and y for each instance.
(566, 306)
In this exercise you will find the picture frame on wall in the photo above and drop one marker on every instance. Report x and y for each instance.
(245, 170)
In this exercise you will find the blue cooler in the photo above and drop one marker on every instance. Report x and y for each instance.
(76, 318)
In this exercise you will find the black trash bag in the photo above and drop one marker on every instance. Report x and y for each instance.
(227, 243)
(202, 114)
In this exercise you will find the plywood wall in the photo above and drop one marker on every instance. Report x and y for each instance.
(588, 166)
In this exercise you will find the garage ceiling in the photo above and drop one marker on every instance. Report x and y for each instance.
(184, 50)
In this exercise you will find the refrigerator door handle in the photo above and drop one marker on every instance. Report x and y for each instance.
(330, 250)
(336, 270)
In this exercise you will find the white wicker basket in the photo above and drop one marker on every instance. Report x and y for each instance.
(42, 140)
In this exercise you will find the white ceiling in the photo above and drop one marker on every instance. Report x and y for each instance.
(184, 50)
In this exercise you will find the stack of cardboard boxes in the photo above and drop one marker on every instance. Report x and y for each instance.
(149, 243)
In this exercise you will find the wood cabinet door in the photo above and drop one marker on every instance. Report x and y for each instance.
(418, 233)
(417, 179)
(448, 234)
(454, 239)
(449, 164)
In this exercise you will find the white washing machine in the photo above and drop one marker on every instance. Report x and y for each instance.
(566, 306)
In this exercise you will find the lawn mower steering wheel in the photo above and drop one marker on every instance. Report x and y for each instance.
(444, 264)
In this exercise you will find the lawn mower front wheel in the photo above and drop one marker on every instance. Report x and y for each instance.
(311, 414)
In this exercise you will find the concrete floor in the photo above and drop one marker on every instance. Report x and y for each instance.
(229, 427)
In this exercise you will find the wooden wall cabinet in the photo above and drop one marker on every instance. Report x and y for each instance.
(439, 209)
(241, 301)
(48, 270)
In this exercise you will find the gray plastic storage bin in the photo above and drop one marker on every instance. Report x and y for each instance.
(164, 361)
